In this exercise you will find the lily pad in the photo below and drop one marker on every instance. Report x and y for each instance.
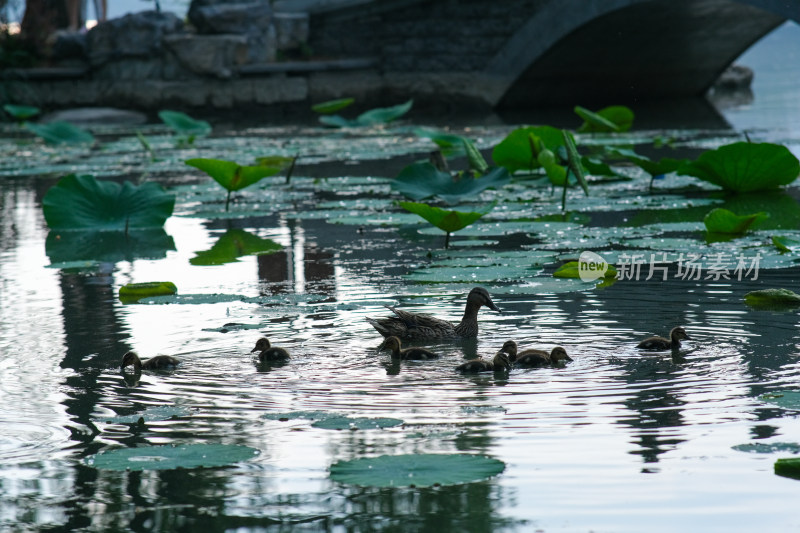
(449, 143)
(422, 180)
(332, 106)
(785, 244)
(133, 292)
(617, 118)
(784, 399)
(345, 422)
(773, 298)
(746, 167)
(571, 269)
(21, 112)
(293, 415)
(61, 133)
(788, 467)
(183, 124)
(171, 457)
(83, 202)
(768, 447)
(720, 220)
(422, 470)
(233, 244)
(151, 414)
(381, 115)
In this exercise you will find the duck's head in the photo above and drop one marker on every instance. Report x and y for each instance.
(678, 333)
(480, 296)
(261, 345)
(510, 348)
(559, 354)
(390, 343)
(130, 358)
(501, 361)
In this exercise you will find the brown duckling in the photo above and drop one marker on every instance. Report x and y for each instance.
(531, 357)
(159, 362)
(405, 354)
(407, 325)
(660, 343)
(500, 362)
(268, 352)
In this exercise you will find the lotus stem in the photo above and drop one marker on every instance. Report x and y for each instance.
(447, 240)
(227, 201)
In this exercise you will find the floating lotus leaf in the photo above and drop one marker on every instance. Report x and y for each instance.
(184, 124)
(233, 244)
(422, 180)
(423, 470)
(721, 220)
(381, 115)
(784, 399)
(171, 457)
(768, 447)
(785, 244)
(133, 292)
(21, 112)
(345, 422)
(746, 167)
(83, 202)
(151, 414)
(515, 151)
(293, 415)
(449, 143)
(616, 118)
(332, 106)
(61, 133)
(571, 269)
(788, 468)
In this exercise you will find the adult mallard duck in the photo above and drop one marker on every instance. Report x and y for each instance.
(500, 362)
(406, 325)
(405, 354)
(660, 343)
(268, 352)
(159, 362)
(531, 357)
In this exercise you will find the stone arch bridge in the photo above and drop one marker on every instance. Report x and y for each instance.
(539, 52)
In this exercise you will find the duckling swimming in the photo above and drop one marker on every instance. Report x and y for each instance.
(159, 362)
(498, 363)
(406, 325)
(660, 343)
(268, 352)
(533, 358)
(405, 354)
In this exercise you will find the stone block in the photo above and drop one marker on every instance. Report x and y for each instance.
(130, 69)
(291, 30)
(242, 18)
(279, 89)
(214, 55)
(134, 35)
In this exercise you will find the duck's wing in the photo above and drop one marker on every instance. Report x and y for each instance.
(419, 354)
(406, 325)
(654, 343)
(533, 358)
(161, 362)
(475, 365)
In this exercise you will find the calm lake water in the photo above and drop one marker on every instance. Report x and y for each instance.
(615, 441)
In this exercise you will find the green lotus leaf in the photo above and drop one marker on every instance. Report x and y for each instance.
(768, 447)
(665, 165)
(63, 247)
(475, 158)
(515, 151)
(60, 133)
(615, 118)
(133, 292)
(784, 399)
(151, 414)
(21, 112)
(773, 299)
(83, 202)
(571, 269)
(232, 176)
(746, 167)
(380, 115)
(294, 415)
(785, 244)
(332, 106)
(444, 219)
(788, 467)
(171, 457)
(721, 220)
(233, 244)
(419, 470)
(345, 422)
(449, 143)
(422, 180)
(184, 124)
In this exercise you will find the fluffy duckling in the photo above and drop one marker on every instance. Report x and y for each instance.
(159, 362)
(531, 357)
(406, 325)
(405, 354)
(268, 352)
(500, 362)
(660, 343)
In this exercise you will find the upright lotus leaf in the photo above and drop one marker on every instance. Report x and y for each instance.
(746, 167)
(516, 152)
(21, 112)
(417, 470)
(616, 118)
(231, 175)
(183, 124)
(170, 457)
(721, 220)
(444, 219)
(774, 299)
(279, 163)
(332, 106)
(574, 161)
(381, 115)
(785, 244)
(58, 132)
(449, 143)
(233, 244)
(422, 180)
(475, 158)
(788, 467)
(82, 202)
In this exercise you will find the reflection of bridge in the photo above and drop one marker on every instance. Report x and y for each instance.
(544, 51)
